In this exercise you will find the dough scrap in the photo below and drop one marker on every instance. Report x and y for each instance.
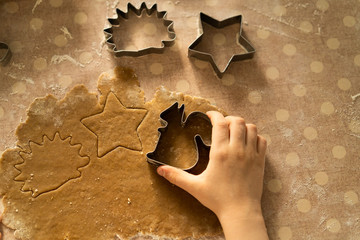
(116, 195)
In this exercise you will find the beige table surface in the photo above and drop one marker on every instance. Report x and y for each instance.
(301, 89)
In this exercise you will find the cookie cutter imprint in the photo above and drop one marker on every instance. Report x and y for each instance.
(125, 15)
(201, 147)
(5, 58)
(192, 52)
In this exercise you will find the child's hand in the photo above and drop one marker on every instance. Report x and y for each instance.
(232, 184)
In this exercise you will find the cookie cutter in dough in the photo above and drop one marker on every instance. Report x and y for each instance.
(5, 58)
(125, 15)
(202, 149)
(250, 50)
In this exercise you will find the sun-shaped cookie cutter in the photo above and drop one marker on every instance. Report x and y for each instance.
(202, 149)
(125, 15)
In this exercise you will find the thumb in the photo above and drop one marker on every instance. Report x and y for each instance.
(177, 177)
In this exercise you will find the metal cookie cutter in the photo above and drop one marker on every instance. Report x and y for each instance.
(5, 58)
(125, 15)
(250, 50)
(174, 113)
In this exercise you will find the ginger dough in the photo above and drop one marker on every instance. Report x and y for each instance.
(80, 170)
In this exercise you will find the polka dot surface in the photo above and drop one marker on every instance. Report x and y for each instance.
(156, 68)
(303, 205)
(16, 46)
(284, 233)
(357, 60)
(268, 138)
(306, 26)
(282, 115)
(36, 24)
(289, 49)
(219, 39)
(316, 66)
(292, 159)
(333, 225)
(150, 29)
(351, 198)
(327, 108)
(228, 79)
(299, 90)
(338, 152)
(200, 64)
(182, 86)
(274, 185)
(40, 64)
(321, 178)
(354, 126)
(333, 43)
(192, 22)
(1, 112)
(349, 21)
(272, 73)
(262, 33)
(80, 18)
(18, 88)
(344, 84)
(11, 7)
(279, 10)
(65, 81)
(60, 40)
(56, 3)
(211, 3)
(254, 97)
(322, 5)
(310, 133)
(85, 58)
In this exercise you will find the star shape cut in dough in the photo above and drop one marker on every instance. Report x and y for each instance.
(116, 126)
(241, 48)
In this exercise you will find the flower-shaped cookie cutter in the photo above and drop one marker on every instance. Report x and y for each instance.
(202, 148)
(5, 57)
(125, 15)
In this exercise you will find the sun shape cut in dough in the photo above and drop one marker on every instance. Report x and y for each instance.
(109, 128)
(50, 165)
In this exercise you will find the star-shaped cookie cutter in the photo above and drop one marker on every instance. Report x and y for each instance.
(202, 149)
(250, 50)
(125, 15)
(5, 58)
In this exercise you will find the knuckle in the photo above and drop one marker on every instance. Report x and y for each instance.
(222, 124)
(239, 121)
(252, 127)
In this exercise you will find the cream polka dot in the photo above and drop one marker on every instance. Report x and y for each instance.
(85, 57)
(254, 97)
(303, 205)
(306, 26)
(333, 43)
(327, 108)
(333, 225)
(322, 5)
(354, 126)
(310, 133)
(274, 185)
(182, 86)
(150, 29)
(80, 18)
(344, 84)
(279, 10)
(284, 233)
(321, 178)
(211, 3)
(357, 60)
(228, 79)
(292, 159)
(60, 40)
(1, 112)
(351, 198)
(299, 90)
(18, 87)
(349, 21)
(40, 64)
(268, 138)
(156, 68)
(200, 64)
(36, 24)
(339, 152)
(16, 46)
(282, 115)
(272, 73)
(56, 3)
(289, 49)
(262, 33)
(65, 81)
(219, 39)
(192, 22)
(316, 67)
(11, 7)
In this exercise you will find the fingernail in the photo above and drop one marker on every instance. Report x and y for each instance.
(160, 171)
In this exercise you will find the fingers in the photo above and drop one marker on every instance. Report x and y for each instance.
(220, 130)
(261, 145)
(237, 130)
(177, 177)
(251, 136)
